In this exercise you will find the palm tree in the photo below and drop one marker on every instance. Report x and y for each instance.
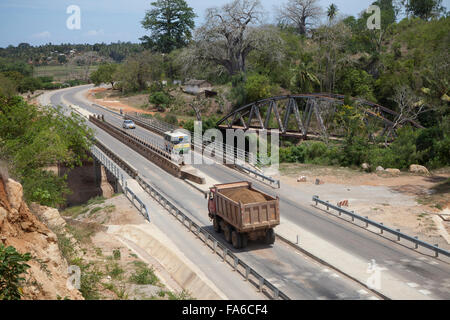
(332, 12)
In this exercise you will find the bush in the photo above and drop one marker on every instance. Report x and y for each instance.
(160, 99)
(12, 266)
(171, 119)
(257, 87)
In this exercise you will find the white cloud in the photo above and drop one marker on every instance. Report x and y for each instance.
(41, 35)
(95, 33)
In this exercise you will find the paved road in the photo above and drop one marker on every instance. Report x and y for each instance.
(293, 273)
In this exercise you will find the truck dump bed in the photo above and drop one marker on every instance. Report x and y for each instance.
(245, 208)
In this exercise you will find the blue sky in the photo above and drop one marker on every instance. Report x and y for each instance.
(43, 21)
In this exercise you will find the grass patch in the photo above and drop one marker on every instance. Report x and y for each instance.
(94, 210)
(90, 279)
(115, 271)
(96, 200)
(143, 274)
(82, 232)
(74, 212)
(116, 254)
(182, 295)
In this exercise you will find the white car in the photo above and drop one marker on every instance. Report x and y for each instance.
(129, 124)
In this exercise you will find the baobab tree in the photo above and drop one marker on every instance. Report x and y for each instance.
(230, 34)
(300, 13)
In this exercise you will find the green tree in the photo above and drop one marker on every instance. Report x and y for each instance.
(424, 9)
(355, 82)
(332, 11)
(12, 266)
(62, 59)
(7, 87)
(29, 84)
(160, 99)
(104, 74)
(170, 24)
(257, 87)
(137, 70)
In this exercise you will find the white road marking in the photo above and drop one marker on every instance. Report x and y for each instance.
(325, 270)
(373, 298)
(334, 275)
(433, 262)
(362, 292)
(405, 260)
(425, 292)
(412, 284)
(341, 295)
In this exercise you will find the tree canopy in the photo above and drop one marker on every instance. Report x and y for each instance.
(170, 23)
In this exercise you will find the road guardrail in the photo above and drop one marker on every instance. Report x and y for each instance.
(218, 248)
(113, 168)
(382, 227)
(252, 276)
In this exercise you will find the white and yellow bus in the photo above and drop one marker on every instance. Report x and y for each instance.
(177, 141)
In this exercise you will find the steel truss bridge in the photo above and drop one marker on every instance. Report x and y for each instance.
(305, 115)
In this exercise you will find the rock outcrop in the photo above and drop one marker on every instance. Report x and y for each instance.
(415, 168)
(393, 171)
(47, 275)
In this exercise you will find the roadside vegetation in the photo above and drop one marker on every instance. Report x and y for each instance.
(33, 139)
(403, 66)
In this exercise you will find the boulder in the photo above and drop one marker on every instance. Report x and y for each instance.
(318, 181)
(50, 216)
(301, 179)
(393, 171)
(415, 168)
(365, 166)
(14, 191)
(379, 169)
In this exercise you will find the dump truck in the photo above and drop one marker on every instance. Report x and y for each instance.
(243, 213)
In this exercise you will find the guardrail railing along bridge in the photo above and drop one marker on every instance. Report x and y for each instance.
(383, 228)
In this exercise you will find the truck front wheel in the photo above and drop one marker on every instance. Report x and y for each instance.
(270, 236)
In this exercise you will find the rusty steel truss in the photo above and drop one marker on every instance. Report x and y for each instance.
(304, 114)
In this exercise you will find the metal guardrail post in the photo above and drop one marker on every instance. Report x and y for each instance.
(276, 293)
(261, 284)
(247, 273)
(235, 263)
(225, 252)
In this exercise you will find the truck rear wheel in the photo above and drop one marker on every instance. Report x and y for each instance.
(227, 233)
(216, 225)
(270, 236)
(236, 240)
(244, 240)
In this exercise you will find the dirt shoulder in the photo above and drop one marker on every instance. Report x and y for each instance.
(110, 269)
(416, 204)
(104, 97)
